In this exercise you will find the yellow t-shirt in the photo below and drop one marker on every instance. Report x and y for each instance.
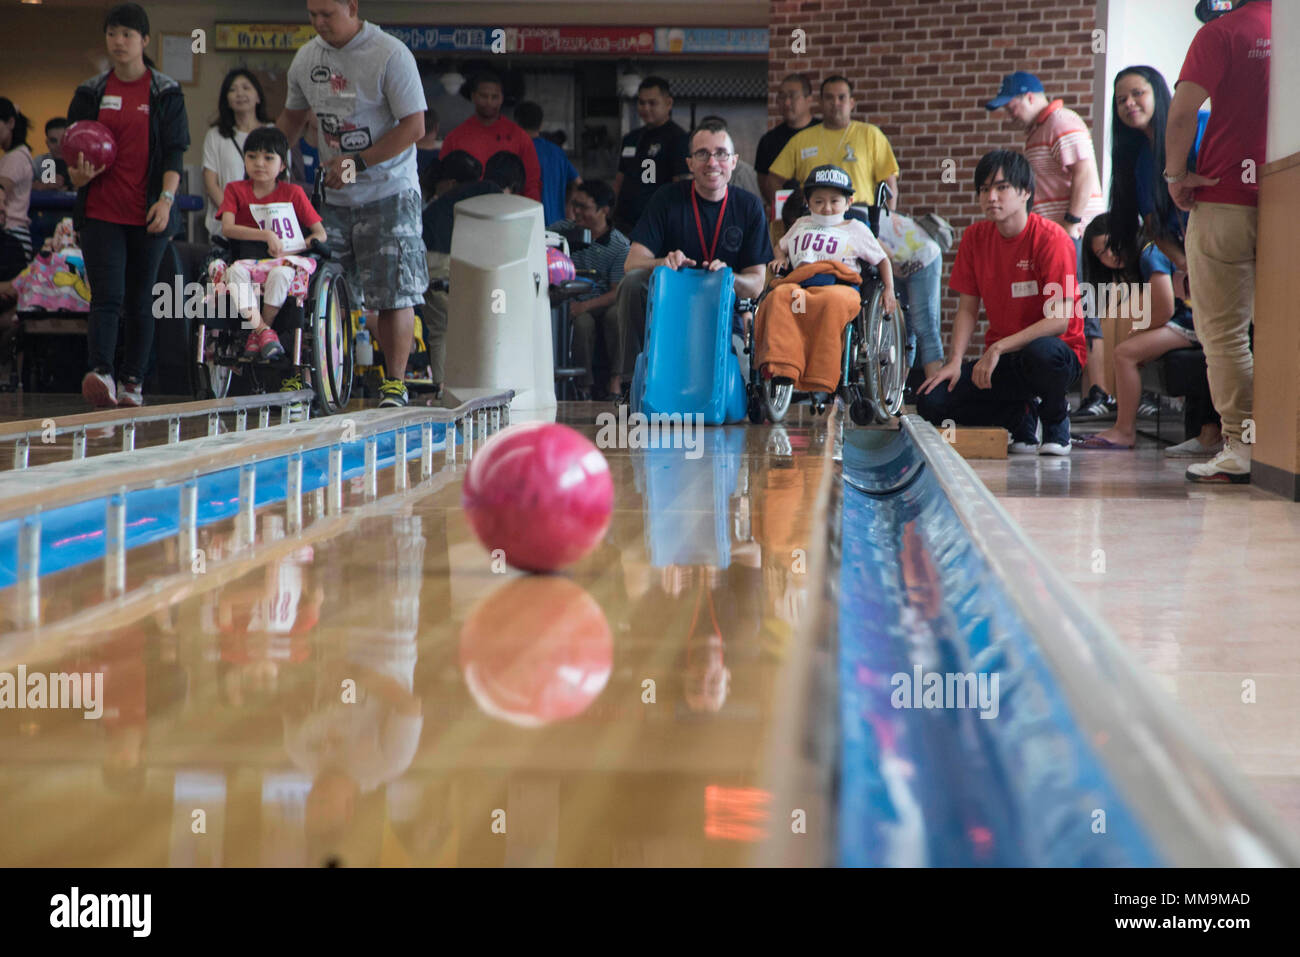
(860, 149)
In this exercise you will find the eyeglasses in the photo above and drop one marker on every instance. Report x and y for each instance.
(702, 156)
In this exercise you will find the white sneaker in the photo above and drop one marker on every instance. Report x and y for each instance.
(1231, 466)
(1193, 449)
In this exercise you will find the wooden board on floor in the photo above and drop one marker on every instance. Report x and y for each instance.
(980, 443)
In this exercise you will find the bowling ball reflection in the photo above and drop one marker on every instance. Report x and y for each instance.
(535, 651)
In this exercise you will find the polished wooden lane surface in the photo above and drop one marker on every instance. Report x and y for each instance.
(1200, 582)
(379, 693)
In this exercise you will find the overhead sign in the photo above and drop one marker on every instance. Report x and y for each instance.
(533, 41)
(262, 36)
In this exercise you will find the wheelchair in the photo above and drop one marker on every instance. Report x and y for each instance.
(873, 360)
(316, 336)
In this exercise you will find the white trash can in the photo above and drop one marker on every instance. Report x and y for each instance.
(498, 309)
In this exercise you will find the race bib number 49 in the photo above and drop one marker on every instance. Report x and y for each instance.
(280, 219)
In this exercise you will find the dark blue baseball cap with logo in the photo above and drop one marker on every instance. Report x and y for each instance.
(1014, 85)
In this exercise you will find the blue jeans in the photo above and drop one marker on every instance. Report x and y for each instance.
(1044, 369)
(121, 267)
(922, 293)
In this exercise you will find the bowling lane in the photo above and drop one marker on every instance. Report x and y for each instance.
(377, 691)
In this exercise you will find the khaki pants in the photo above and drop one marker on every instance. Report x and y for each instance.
(435, 315)
(1221, 269)
(586, 327)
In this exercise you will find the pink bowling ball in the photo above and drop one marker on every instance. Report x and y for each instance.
(92, 139)
(559, 267)
(540, 492)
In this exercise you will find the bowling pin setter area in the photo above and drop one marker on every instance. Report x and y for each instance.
(808, 644)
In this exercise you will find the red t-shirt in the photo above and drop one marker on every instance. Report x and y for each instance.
(501, 135)
(239, 199)
(1011, 277)
(119, 195)
(1230, 58)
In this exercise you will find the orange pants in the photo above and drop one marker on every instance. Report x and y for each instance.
(799, 333)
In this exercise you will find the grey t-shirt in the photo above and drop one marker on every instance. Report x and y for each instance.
(358, 94)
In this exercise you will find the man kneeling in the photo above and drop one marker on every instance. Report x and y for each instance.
(801, 323)
(1022, 267)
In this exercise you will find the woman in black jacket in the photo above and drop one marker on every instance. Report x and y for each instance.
(126, 213)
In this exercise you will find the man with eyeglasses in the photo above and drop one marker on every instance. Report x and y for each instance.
(795, 101)
(1021, 266)
(653, 155)
(705, 222)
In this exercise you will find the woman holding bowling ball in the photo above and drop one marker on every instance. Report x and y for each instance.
(125, 212)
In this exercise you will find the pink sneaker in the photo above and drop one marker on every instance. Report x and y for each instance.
(263, 344)
(98, 389)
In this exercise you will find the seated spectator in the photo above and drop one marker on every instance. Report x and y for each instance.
(653, 154)
(488, 132)
(457, 178)
(426, 147)
(557, 171)
(13, 257)
(800, 325)
(795, 100)
(57, 176)
(16, 175)
(1019, 265)
(704, 222)
(593, 209)
(1166, 325)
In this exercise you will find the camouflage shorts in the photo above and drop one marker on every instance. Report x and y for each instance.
(381, 247)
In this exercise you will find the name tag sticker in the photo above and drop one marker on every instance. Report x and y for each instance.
(110, 103)
(629, 151)
(1021, 290)
(807, 151)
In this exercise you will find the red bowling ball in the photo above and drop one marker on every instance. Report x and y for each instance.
(536, 651)
(92, 139)
(541, 493)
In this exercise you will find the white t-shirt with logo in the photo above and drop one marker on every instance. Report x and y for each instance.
(846, 242)
(360, 93)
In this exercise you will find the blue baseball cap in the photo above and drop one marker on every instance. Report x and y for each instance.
(1014, 85)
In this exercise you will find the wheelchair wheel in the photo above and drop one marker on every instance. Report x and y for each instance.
(776, 398)
(212, 379)
(885, 348)
(756, 410)
(329, 325)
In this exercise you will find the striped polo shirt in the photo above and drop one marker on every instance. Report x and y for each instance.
(1059, 140)
(605, 257)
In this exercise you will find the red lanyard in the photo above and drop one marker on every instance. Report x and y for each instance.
(699, 227)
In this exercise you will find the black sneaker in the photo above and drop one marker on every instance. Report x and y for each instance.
(1149, 407)
(1096, 405)
(393, 394)
(1056, 438)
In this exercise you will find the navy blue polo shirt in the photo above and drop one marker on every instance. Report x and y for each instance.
(669, 223)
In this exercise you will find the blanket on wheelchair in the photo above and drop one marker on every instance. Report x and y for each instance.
(799, 332)
(259, 269)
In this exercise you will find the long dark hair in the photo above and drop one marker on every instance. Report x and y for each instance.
(1095, 271)
(225, 121)
(1125, 147)
(10, 112)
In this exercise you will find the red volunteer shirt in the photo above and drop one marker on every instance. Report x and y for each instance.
(238, 199)
(118, 195)
(1230, 58)
(481, 142)
(1011, 277)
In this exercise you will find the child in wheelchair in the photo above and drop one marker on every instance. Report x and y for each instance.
(268, 222)
(799, 329)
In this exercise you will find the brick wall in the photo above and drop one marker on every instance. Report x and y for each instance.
(922, 70)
